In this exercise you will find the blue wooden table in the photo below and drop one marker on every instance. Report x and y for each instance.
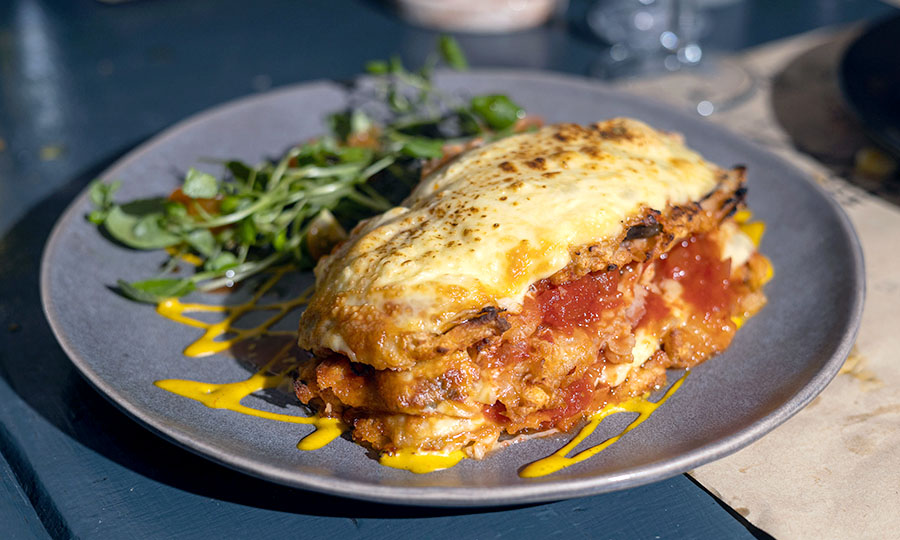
(81, 83)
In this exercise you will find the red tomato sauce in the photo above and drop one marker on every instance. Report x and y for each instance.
(695, 264)
(655, 309)
(579, 302)
(577, 397)
(495, 413)
(210, 206)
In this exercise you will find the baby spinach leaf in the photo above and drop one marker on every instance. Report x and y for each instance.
(203, 241)
(238, 169)
(497, 110)
(152, 291)
(138, 224)
(420, 147)
(377, 67)
(102, 196)
(222, 261)
(452, 53)
(200, 185)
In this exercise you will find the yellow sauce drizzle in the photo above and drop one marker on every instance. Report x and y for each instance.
(754, 230)
(743, 216)
(229, 395)
(174, 309)
(770, 272)
(558, 459)
(421, 462)
(189, 258)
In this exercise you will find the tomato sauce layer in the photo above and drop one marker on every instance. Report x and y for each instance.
(579, 302)
(704, 277)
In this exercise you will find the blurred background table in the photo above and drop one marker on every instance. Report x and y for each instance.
(83, 82)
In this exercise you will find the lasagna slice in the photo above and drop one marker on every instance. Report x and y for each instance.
(525, 285)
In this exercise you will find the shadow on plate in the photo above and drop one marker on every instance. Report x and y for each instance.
(809, 106)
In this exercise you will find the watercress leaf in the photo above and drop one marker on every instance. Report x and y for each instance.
(342, 126)
(200, 185)
(396, 66)
(102, 194)
(149, 229)
(398, 102)
(498, 111)
(226, 236)
(427, 69)
(420, 147)
(279, 240)
(355, 154)
(97, 192)
(452, 53)
(468, 122)
(247, 231)
(138, 224)
(238, 169)
(339, 124)
(222, 261)
(202, 240)
(152, 291)
(377, 67)
(328, 144)
(97, 217)
(359, 122)
(232, 203)
(265, 217)
(261, 178)
(175, 209)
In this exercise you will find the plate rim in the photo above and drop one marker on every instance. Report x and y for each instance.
(469, 496)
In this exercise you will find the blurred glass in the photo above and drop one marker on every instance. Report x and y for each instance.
(656, 37)
(645, 26)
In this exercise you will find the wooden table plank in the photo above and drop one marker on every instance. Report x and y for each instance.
(18, 519)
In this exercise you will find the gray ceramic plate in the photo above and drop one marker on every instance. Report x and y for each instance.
(778, 362)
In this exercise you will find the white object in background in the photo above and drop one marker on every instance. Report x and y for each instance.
(482, 16)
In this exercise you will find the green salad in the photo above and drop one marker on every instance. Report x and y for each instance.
(295, 210)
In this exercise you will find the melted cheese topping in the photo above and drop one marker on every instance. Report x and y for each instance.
(481, 230)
